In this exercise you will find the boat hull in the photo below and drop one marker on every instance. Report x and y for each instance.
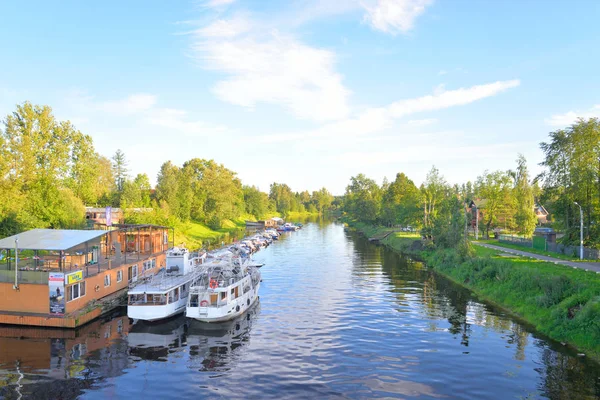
(224, 313)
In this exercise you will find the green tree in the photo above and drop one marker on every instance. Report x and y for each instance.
(119, 163)
(433, 192)
(363, 199)
(525, 217)
(496, 189)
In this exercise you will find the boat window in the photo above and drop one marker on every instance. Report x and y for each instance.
(237, 292)
(194, 300)
(232, 291)
(213, 299)
(176, 294)
(171, 297)
(223, 295)
(137, 299)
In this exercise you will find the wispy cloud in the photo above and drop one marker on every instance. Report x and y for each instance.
(177, 120)
(271, 68)
(422, 122)
(129, 105)
(218, 3)
(394, 16)
(450, 98)
(374, 120)
(569, 118)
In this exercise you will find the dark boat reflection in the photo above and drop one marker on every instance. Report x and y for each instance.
(59, 363)
(212, 345)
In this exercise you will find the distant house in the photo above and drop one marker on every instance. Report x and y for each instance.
(476, 209)
(98, 215)
(541, 213)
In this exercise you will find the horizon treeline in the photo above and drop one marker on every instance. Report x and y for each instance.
(571, 177)
(49, 172)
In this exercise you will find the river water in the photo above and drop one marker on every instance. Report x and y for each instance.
(338, 317)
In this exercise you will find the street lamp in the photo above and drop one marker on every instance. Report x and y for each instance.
(580, 231)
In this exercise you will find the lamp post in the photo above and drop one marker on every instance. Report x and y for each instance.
(580, 231)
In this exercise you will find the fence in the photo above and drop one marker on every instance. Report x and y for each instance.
(540, 243)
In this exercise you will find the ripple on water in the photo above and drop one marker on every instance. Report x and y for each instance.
(337, 318)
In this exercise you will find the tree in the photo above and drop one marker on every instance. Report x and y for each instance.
(496, 189)
(119, 163)
(283, 197)
(256, 202)
(400, 202)
(363, 199)
(525, 217)
(433, 191)
(322, 199)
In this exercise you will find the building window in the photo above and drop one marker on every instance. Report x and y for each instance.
(154, 263)
(119, 275)
(106, 280)
(76, 291)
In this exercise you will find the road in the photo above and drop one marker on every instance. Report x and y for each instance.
(589, 266)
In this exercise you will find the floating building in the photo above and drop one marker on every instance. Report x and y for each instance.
(66, 278)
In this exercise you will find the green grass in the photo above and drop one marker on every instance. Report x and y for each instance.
(561, 302)
(297, 215)
(196, 235)
(532, 250)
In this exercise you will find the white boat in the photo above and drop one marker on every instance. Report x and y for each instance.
(165, 294)
(227, 288)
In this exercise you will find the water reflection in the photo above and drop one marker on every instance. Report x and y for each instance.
(338, 318)
(211, 347)
(54, 363)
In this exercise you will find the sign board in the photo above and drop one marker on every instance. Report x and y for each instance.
(108, 216)
(56, 285)
(74, 277)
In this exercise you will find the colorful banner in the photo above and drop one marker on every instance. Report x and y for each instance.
(74, 277)
(108, 216)
(56, 284)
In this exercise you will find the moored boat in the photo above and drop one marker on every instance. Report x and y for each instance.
(227, 288)
(165, 294)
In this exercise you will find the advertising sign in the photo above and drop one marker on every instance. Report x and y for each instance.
(74, 277)
(108, 216)
(56, 284)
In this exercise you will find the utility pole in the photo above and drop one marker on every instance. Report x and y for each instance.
(16, 286)
(580, 231)
(476, 223)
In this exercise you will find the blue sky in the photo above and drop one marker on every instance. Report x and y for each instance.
(308, 92)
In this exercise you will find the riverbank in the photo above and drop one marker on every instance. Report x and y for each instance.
(560, 302)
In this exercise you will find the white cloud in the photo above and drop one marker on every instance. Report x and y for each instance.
(226, 28)
(394, 16)
(219, 3)
(569, 118)
(374, 120)
(272, 68)
(449, 98)
(130, 105)
(442, 72)
(422, 122)
(174, 119)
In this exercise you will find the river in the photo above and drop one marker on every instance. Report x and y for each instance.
(338, 317)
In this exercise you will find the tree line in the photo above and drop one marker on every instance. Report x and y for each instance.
(441, 210)
(506, 199)
(49, 172)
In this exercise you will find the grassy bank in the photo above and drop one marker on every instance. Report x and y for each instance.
(562, 303)
(495, 242)
(293, 215)
(196, 235)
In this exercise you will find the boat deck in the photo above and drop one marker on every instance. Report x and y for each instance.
(160, 283)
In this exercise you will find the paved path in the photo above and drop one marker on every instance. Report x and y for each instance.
(589, 266)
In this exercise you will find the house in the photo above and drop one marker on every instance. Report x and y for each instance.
(98, 215)
(66, 278)
(541, 213)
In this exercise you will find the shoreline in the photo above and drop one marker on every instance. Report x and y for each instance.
(559, 302)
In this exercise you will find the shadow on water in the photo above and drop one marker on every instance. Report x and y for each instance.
(563, 373)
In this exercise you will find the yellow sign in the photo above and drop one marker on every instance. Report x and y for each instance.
(74, 277)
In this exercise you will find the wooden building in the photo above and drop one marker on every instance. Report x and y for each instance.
(65, 278)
